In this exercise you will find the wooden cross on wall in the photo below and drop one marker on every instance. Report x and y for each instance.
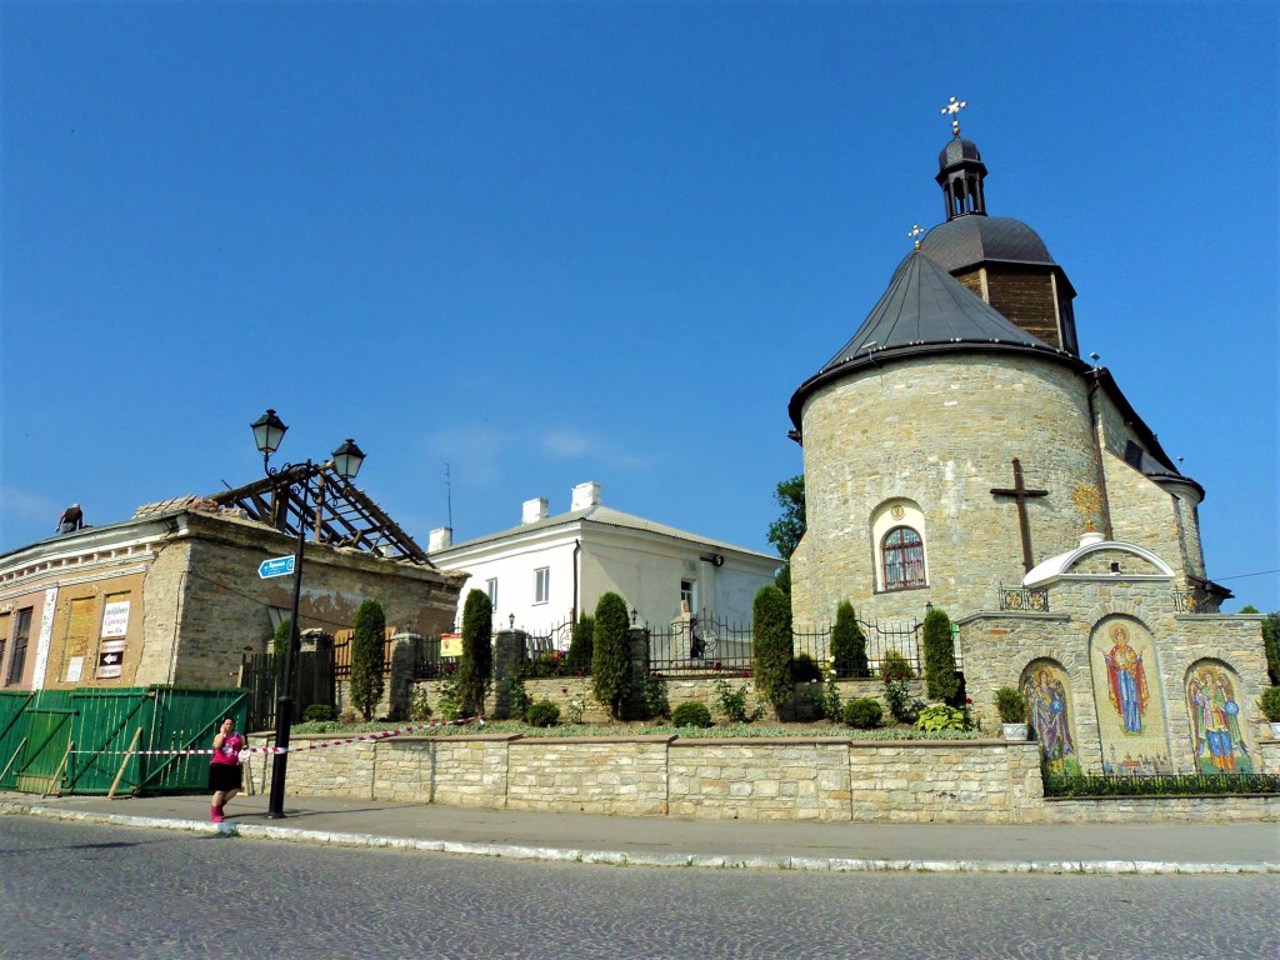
(1020, 493)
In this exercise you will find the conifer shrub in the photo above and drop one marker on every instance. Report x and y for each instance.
(804, 669)
(941, 682)
(367, 645)
(691, 714)
(1269, 703)
(771, 648)
(849, 645)
(1011, 704)
(544, 713)
(476, 663)
(580, 646)
(863, 713)
(610, 655)
(1271, 645)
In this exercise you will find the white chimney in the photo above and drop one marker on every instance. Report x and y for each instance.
(585, 496)
(441, 538)
(534, 510)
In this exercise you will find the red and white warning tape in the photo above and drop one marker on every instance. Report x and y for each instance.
(295, 747)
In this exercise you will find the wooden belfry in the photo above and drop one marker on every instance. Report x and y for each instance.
(1021, 494)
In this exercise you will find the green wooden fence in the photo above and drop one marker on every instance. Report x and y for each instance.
(79, 741)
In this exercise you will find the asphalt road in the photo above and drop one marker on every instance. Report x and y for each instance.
(101, 892)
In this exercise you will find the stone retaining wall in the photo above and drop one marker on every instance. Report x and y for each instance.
(819, 779)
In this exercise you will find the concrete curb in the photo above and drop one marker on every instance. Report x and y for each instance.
(622, 859)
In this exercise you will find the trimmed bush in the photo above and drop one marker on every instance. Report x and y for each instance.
(848, 644)
(1269, 702)
(1011, 704)
(476, 664)
(544, 713)
(894, 666)
(771, 648)
(610, 655)
(863, 713)
(317, 711)
(367, 645)
(941, 682)
(692, 714)
(804, 669)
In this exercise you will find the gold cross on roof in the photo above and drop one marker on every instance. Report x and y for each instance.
(914, 234)
(954, 107)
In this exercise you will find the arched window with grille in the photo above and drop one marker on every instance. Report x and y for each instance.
(902, 559)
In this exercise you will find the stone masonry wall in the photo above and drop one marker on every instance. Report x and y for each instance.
(625, 775)
(997, 646)
(820, 779)
(939, 431)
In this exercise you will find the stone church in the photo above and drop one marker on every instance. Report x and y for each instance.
(959, 452)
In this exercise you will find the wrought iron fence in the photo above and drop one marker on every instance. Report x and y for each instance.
(706, 645)
(1034, 599)
(1192, 601)
(1100, 786)
(700, 645)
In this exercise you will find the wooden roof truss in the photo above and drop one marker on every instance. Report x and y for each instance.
(329, 508)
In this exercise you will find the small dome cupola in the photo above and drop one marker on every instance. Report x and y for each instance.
(961, 170)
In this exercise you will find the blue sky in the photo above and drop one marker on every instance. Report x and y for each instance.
(548, 243)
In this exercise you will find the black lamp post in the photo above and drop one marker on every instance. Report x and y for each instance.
(268, 432)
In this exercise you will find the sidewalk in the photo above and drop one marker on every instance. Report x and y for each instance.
(1102, 848)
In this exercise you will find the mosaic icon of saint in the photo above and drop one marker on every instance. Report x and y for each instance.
(1127, 680)
(1215, 725)
(1047, 698)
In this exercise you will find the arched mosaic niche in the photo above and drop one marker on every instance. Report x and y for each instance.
(1128, 698)
(1219, 742)
(1044, 683)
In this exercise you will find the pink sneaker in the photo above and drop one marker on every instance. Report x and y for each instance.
(216, 814)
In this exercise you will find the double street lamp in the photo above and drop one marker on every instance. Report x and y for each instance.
(268, 432)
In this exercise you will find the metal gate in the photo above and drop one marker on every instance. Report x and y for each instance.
(88, 740)
(313, 683)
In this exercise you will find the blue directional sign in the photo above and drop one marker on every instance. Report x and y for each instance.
(275, 567)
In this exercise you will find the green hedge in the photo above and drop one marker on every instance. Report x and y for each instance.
(1101, 786)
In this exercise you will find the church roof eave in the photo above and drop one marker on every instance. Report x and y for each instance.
(881, 358)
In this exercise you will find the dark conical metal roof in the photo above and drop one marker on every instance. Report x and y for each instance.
(967, 241)
(925, 304)
(924, 311)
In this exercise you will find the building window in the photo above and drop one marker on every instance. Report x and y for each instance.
(542, 585)
(492, 588)
(686, 596)
(4, 635)
(903, 556)
(21, 634)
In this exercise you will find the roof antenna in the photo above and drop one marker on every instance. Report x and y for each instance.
(448, 493)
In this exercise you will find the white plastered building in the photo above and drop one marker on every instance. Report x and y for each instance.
(549, 569)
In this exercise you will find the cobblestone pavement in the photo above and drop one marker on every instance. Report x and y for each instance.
(105, 892)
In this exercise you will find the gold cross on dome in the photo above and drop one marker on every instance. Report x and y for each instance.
(914, 234)
(953, 108)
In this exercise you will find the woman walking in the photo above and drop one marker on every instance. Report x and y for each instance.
(225, 775)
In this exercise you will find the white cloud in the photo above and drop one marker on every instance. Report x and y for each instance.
(567, 445)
